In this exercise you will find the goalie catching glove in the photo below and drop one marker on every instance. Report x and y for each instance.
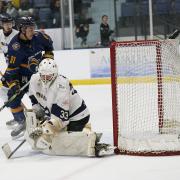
(43, 134)
(50, 127)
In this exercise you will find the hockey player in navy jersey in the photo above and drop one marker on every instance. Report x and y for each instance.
(64, 116)
(24, 55)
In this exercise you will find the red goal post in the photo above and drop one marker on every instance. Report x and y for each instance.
(145, 80)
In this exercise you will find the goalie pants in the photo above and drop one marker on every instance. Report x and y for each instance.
(78, 125)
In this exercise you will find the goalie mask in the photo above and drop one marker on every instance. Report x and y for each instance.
(48, 71)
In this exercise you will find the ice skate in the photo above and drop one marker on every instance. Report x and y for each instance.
(11, 124)
(102, 149)
(18, 131)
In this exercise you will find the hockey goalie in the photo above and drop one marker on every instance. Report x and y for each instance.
(58, 123)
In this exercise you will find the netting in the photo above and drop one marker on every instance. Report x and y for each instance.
(146, 97)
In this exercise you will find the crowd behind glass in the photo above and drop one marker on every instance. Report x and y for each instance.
(129, 18)
(46, 13)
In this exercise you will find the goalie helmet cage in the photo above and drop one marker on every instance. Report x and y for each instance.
(145, 82)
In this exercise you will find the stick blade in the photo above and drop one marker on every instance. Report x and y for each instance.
(7, 150)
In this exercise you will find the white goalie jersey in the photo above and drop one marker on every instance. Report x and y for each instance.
(5, 40)
(60, 100)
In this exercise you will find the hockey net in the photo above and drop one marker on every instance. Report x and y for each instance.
(145, 78)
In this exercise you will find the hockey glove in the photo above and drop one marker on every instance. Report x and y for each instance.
(3, 80)
(39, 111)
(15, 89)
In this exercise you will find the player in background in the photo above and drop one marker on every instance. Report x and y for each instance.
(24, 55)
(58, 104)
(7, 32)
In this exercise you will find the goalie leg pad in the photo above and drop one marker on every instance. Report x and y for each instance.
(43, 142)
(73, 143)
(31, 121)
(49, 130)
(87, 128)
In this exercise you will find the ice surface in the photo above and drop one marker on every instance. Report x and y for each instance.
(29, 165)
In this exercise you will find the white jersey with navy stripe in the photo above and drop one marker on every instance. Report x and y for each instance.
(5, 40)
(60, 99)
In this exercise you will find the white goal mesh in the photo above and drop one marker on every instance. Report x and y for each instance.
(146, 97)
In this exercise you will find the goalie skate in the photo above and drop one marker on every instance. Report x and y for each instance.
(102, 149)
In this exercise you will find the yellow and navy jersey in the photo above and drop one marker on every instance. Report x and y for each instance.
(25, 56)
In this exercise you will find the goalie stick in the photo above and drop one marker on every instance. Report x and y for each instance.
(7, 150)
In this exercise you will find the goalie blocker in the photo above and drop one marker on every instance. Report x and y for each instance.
(49, 139)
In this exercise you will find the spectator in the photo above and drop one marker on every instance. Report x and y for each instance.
(56, 16)
(105, 31)
(2, 7)
(16, 3)
(11, 10)
(25, 8)
(82, 30)
(41, 3)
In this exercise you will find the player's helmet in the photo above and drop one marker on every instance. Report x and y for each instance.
(48, 70)
(5, 18)
(24, 22)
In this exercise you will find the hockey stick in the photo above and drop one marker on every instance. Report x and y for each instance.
(14, 96)
(7, 150)
(1, 73)
(175, 34)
